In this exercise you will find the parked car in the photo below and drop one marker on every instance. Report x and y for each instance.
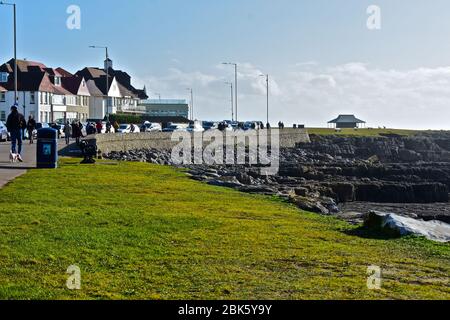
(175, 128)
(208, 125)
(252, 125)
(128, 128)
(151, 127)
(3, 132)
(195, 126)
(225, 125)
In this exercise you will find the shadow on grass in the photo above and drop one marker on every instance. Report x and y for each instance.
(370, 233)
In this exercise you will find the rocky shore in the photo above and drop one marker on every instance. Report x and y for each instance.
(343, 176)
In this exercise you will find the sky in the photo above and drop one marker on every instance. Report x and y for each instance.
(321, 57)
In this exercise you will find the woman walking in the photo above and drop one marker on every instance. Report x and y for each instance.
(67, 132)
(31, 126)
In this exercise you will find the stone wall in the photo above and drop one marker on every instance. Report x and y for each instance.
(162, 141)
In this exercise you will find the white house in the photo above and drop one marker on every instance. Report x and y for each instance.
(123, 96)
(42, 92)
(98, 106)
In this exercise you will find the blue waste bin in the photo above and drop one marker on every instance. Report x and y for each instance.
(47, 148)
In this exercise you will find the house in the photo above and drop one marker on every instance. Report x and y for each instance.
(346, 122)
(77, 101)
(45, 93)
(123, 97)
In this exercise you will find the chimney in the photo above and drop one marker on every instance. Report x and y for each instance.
(108, 64)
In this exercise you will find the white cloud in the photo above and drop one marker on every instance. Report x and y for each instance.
(313, 94)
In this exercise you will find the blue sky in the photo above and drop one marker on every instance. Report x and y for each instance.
(322, 58)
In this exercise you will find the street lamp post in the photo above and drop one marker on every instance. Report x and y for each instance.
(267, 92)
(232, 102)
(192, 102)
(235, 84)
(15, 50)
(107, 76)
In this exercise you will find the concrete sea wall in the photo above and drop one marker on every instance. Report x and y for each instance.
(163, 141)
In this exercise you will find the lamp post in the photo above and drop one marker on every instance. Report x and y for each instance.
(15, 50)
(192, 102)
(235, 84)
(232, 102)
(267, 92)
(107, 76)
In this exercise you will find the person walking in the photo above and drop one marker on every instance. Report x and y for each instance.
(67, 132)
(108, 127)
(80, 129)
(99, 127)
(31, 126)
(15, 124)
(76, 132)
(116, 126)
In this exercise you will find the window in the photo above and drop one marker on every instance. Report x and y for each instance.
(57, 81)
(32, 97)
(2, 115)
(2, 97)
(3, 77)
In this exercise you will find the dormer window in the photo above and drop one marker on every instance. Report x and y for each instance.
(3, 77)
(58, 81)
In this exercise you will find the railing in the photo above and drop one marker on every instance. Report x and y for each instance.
(131, 108)
(164, 101)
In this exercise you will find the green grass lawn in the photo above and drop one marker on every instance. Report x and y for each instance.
(140, 231)
(362, 132)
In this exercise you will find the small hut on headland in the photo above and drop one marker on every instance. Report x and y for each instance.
(346, 121)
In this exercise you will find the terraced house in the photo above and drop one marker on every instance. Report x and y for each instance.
(119, 97)
(50, 95)
(56, 95)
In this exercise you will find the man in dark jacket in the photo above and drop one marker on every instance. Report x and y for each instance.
(15, 124)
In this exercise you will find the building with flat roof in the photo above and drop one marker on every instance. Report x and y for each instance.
(346, 121)
(166, 107)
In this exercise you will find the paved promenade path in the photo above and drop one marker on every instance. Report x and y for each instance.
(10, 171)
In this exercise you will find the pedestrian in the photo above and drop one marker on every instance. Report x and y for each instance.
(76, 132)
(67, 132)
(31, 126)
(15, 124)
(99, 127)
(80, 130)
(116, 126)
(108, 127)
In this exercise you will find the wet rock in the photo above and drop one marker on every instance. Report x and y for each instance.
(245, 179)
(309, 204)
(344, 191)
(301, 192)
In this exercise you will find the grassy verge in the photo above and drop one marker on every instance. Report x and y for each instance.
(139, 231)
(362, 132)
